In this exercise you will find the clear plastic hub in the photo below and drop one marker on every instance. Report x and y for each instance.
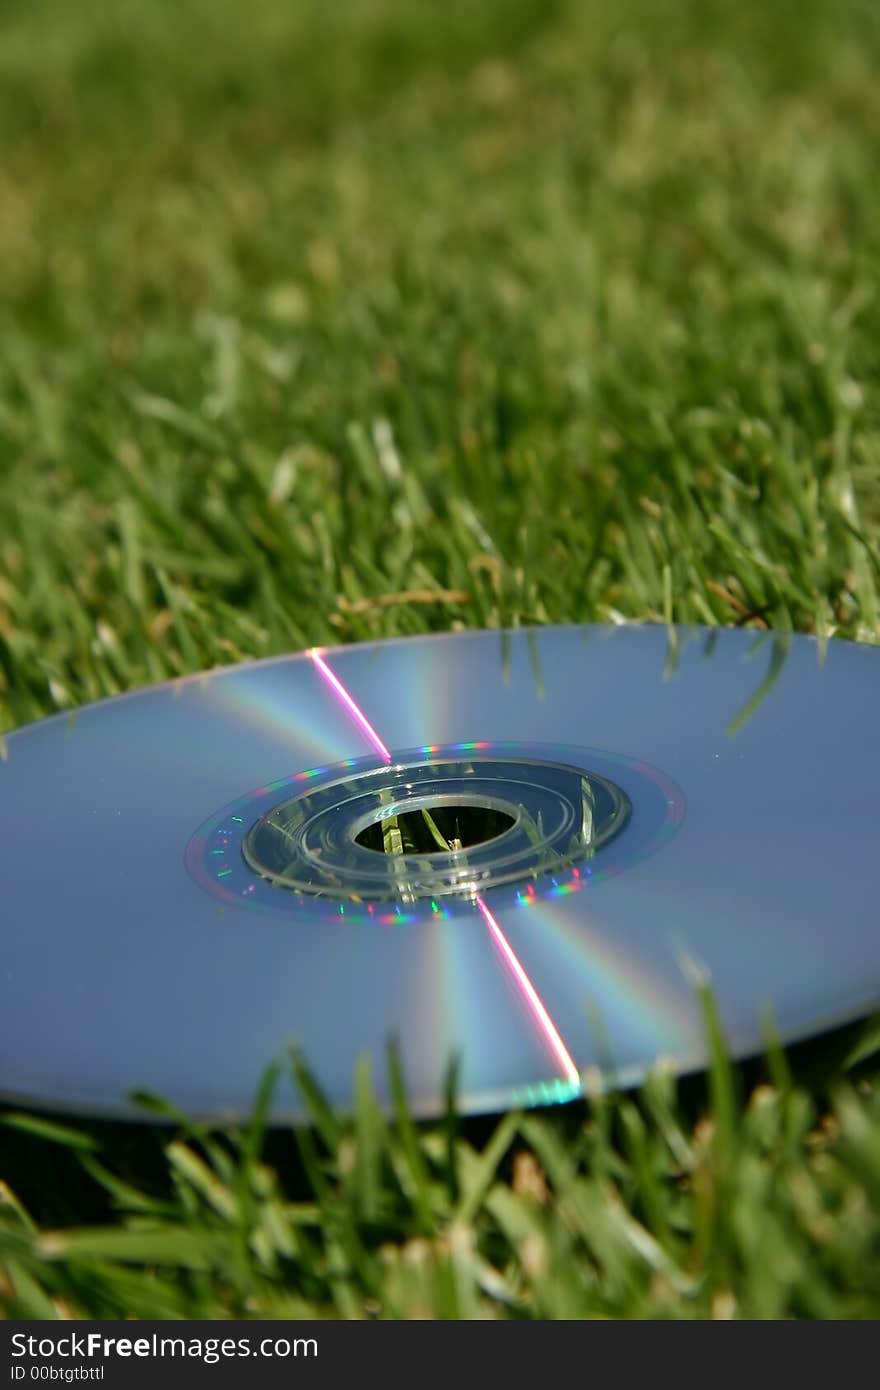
(390, 832)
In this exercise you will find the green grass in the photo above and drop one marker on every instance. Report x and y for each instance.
(322, 322)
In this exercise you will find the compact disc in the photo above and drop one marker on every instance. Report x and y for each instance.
(513, 849)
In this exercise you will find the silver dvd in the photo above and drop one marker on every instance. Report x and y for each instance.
(198, 875)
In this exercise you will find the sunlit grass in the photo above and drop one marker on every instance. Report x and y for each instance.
(765, 1205)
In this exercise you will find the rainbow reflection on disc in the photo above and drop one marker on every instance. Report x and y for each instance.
(507, 848)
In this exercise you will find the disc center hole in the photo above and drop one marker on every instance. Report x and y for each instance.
(440, 828)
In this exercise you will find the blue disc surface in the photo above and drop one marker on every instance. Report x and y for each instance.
(189, 886)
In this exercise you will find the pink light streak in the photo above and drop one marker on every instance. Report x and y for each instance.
(524, 984)
(357, 715)
(539, 1013)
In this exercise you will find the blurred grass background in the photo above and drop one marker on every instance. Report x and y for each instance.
(326, 322)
